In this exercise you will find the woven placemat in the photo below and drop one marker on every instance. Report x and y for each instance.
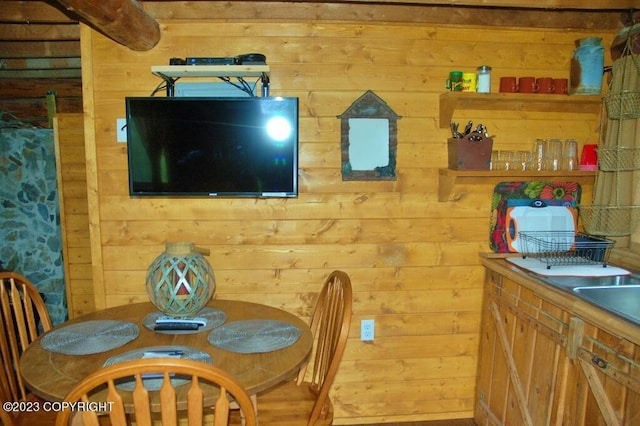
(214, 319)
(254, 336)
(153, 383)
(89, 337)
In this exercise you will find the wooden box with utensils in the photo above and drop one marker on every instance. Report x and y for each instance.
(471, 152)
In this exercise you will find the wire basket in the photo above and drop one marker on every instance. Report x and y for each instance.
(612, 221)
(618, 159)
(562, 248)
(622, 105)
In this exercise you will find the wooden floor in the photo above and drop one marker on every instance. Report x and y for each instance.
(453, 422)
(457, 422)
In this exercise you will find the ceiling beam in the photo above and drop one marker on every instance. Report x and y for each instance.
(123, 21)
(510, 4)
(517, 4)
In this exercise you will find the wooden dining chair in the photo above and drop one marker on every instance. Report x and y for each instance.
(202, 387)
(22, 309)
(24, 317)
(6, 419)
(306, 400)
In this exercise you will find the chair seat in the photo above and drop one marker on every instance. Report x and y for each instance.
(289, 405)
(36, 419)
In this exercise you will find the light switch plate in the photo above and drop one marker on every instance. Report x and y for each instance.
(121, 130)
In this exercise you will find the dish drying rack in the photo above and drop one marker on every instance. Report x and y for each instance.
(563, 248)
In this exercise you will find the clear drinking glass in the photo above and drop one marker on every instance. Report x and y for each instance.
(570, 155)
(524, 160)
(554, 157)
(507, 160)
(495, 161)
(539, 155)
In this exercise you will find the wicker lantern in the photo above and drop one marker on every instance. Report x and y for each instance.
(180, 281)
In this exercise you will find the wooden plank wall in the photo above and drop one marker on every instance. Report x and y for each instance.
(39, 53)
(72, 183)
(413, 260)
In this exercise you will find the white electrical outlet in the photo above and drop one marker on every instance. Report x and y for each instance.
(367, 330)
(121, 129)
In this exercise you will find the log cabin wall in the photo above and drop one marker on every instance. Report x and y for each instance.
(39, 54)
(413, 260)
(71, 169)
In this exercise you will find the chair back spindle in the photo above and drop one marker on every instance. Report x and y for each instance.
(206, 387)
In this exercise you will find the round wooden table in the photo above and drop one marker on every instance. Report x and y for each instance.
(51, 375)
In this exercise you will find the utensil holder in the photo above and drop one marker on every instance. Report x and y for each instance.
(471, 152)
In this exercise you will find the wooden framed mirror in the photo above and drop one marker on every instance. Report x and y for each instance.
(369, 139)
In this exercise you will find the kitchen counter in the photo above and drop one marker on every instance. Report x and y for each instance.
(549, 357)
(567, 300)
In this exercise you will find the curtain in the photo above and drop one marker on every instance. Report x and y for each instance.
(616, 205)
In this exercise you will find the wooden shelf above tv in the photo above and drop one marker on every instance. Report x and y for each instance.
(198, 71)
(171, 73)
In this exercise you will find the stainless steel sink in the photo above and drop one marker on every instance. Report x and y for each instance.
(621, 299)
(572, 282)
(619, 294)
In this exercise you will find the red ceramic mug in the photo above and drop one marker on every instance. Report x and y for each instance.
(508, 84)
(562, 85)
(527, 85)
(545, 85)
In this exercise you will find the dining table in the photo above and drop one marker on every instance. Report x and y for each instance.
(260, 345)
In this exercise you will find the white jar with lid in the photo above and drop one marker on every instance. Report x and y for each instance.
(484, 79)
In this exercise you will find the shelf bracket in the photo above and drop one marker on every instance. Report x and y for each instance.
(170, 82)
(446, 182)
(446, 112)
(264, 77)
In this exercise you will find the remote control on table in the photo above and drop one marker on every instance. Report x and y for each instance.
(175, 326)
(165, 319)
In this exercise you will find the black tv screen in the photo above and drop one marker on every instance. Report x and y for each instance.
(214, 147)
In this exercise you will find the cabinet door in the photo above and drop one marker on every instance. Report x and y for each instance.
(520, 356)
(538, 365)
(610, 368)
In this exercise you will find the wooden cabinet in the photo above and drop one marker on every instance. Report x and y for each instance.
(547, 357)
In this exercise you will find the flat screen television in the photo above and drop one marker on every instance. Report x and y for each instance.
(212, 147)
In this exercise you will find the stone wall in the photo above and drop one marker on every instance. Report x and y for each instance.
(30, 237)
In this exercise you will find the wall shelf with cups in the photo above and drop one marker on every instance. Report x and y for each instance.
(448, 178)
(452, 101)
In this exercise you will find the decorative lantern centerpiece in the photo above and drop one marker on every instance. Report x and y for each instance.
(180, 282)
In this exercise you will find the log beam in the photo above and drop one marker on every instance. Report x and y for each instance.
(123, 21)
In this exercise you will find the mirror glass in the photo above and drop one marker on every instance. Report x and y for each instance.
(368, 143)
